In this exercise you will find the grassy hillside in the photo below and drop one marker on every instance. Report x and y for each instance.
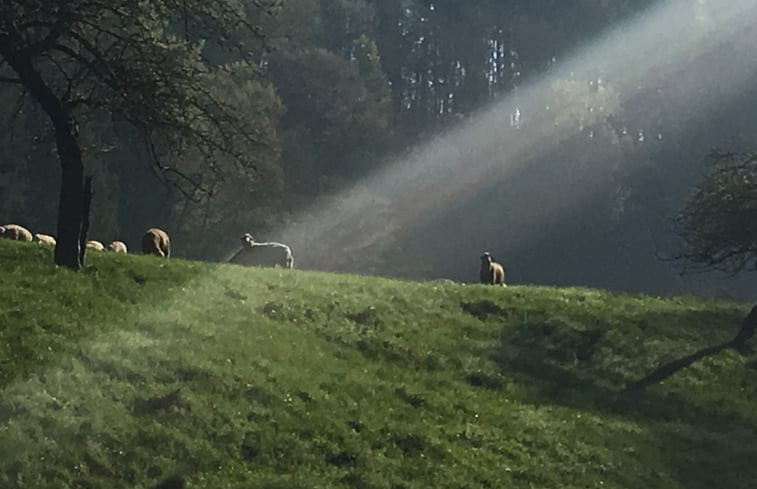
(138, 371)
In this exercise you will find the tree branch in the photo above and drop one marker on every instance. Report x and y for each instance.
(66, 15)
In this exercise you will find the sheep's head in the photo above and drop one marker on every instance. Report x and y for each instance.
(486, 258)
(2, 231)
(247, 239)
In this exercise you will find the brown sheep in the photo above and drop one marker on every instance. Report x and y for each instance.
(14, 231)
(268, 254)
(117, 247)
(491, 272)
(156, 242)
(44, 239)
(95, 245)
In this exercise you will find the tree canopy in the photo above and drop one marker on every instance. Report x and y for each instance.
(718, 223)
(140, 63)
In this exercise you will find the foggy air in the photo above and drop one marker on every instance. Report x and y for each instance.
(378, 244)
(404, 140)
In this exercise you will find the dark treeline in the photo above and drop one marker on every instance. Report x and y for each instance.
(339, 88)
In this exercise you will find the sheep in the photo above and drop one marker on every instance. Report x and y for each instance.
(491, 272)
(156, 242)
(95, 245)
(14, 231)
(117, 247)
(44, 239)
(268, 254)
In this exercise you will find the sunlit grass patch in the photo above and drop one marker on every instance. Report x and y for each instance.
(137, 370)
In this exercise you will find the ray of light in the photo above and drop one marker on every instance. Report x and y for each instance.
(645, 51)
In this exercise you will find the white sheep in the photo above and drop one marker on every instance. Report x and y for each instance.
(44, 239)
(491, 272)
(267, 254)
(117, 247)
(14, 231)
(95, 245)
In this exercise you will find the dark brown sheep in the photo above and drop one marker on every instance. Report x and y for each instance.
(14, 231)
(156, 242)
(268, 254)
(491, 272)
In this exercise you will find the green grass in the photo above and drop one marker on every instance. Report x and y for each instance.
(138, 369)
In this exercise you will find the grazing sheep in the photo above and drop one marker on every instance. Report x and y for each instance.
(269, 254)
(156, 242)
(95, 245)
(117, 247)
(14, 231)
(491, 273)
(44, 239)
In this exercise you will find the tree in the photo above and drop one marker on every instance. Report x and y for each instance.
(135, 62)
(718, 223)
(337, 101)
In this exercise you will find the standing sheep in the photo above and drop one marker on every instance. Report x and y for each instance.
(14, 231)
(491, 272)
(268, 254)
(156, 242)
(44, 239)
(117, 247)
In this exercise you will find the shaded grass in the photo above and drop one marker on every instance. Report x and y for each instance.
(139, 370)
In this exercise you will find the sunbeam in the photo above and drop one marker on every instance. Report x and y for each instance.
(664, 42)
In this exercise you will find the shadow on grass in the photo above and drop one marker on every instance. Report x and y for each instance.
(702, 445)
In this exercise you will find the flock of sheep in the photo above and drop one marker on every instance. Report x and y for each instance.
(252, 253)
(156, 242)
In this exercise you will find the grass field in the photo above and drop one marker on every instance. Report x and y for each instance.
(139, 370)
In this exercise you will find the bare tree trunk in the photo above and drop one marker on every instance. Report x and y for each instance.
(68, 250)
(746, 332)
(69, 151)
(86, 206)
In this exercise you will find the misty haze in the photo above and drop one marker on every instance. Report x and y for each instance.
(404, 141)
(378, 244)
